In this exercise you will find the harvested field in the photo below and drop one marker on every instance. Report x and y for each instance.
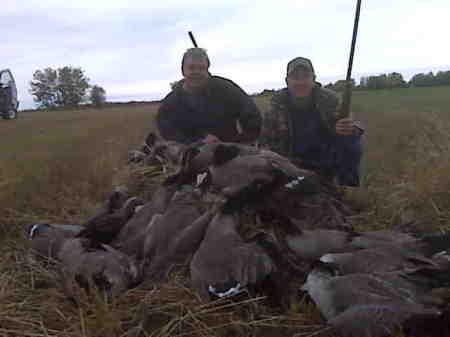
(59, 165)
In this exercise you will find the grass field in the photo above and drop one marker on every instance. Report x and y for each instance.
(58, 165)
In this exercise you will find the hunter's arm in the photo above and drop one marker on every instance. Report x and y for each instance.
(170, 125)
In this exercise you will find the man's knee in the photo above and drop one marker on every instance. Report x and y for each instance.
(349, 158)
(350, 149)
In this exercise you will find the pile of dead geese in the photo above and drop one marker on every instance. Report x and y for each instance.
(246, 220)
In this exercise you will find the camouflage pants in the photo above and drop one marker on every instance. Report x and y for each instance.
(349, 154)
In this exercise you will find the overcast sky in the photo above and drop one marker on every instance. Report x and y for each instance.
(133, 48)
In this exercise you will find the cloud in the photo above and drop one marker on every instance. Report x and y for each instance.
(133, 49)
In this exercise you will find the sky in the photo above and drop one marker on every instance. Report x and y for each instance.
(133, 48)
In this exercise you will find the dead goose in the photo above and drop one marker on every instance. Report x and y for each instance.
(197, 158)
(105, 228)
(396, 254)
(180, 244)
(232, 167)
(176, 233)
(371, 320)
(309, 204)
(335, 294)
(224, 264)
(375, 320)
(161, 152)
(131, 237)
(312, 244)
(87, 262)
(374, 239)
(168, 153)
(42, 229)
(326, 243)
(427, 324)
(46, 239)
(114, 202)
(138, 156)
(373, 260)
(232, 173)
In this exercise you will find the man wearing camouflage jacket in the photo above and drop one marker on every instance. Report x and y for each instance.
(303, 125)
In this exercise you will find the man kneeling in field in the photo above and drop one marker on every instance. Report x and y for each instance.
(206, 107)
(303, 125)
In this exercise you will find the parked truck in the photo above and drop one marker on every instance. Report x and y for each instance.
(8, 95)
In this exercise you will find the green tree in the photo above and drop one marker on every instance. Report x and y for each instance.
(97, 96)
(174, 84)
(377, 82)
(363, 82)
(64, 87)
(395, 80)
(341, 85)
(442, 78)
(423, 80)
(72, 86)
(43, 87)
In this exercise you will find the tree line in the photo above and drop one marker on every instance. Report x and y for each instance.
(68, 87)
(395, 80)
(65, 87)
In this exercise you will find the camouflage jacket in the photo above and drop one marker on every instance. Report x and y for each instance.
(277, 131)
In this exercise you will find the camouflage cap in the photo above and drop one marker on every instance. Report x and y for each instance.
(299, 62)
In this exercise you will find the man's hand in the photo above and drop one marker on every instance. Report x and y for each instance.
(211, 139)
(345, 127)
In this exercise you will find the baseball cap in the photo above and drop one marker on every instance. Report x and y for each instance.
(299, 62)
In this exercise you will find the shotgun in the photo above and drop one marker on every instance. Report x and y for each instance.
(193, 39)
(347, 97)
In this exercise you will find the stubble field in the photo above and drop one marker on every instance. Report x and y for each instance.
(58, 166)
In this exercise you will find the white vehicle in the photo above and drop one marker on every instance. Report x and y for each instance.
(8, 95)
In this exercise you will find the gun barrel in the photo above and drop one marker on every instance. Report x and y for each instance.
(346, 102)
(193, 39)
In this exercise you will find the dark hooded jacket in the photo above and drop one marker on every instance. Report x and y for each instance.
(186, 119)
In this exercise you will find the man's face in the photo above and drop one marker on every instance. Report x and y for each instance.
(300, 82)
(195, 72)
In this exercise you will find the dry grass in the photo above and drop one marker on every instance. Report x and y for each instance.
(406, 169)
(58, 166)
(33, 304)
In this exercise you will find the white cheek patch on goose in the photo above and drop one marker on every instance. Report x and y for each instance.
(159, 158)
(138, 208)
(136, 155)
(328, 258)
(162, 161)
(148, 148)
(230, 292)
(292, 184)
(32, 231)
(133, 271)
(201, 177)
(439, 254)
